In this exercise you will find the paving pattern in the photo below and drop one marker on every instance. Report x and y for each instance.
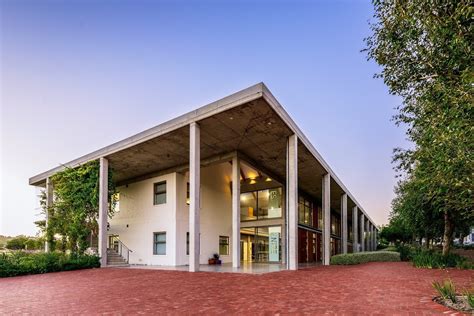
(373, 288)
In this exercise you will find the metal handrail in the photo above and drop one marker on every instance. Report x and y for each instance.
(122, 248)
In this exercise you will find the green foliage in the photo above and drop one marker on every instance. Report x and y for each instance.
(21, 263)
(447, 290)
(435, 260)
(470, 298)
(24, 243)
(390, 248)
(406, 251)
(397, 231)
(363, 257)
(74, 213)
(425, 51)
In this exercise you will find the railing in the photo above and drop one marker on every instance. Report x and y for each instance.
(121, 248)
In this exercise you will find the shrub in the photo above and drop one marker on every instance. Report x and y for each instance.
(21, 263)
(406, 252)
(470, 298)
(390, 248)
(363, 257)
(447, 290)
(435, 260)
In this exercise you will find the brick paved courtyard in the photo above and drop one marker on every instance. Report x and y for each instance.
(374, 288)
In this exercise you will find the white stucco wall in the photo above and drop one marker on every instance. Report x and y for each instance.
(143, 218)
(216, 212)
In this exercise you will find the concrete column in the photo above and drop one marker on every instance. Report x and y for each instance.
(362, 235)
(326, 202)
(355, 231)
(374, 245)
(344, 222)
(49, 203)
(235, 212)
(367, 239)
(194, 195)
(292, 185)
(103, 209)
(375, 237)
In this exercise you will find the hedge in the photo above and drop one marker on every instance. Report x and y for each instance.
(363, 257)
(21, 263)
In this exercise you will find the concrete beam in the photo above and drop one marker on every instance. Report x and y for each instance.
(49, 204)
(103, 209)
(292, 185)
(326, 204)
(344, 222)
(235, 212)
(195, 195)
(355, 230)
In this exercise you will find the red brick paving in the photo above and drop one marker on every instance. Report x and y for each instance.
(374, 288)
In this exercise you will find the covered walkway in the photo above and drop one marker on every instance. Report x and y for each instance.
(248, 268)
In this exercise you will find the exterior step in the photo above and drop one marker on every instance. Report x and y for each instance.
(114, 259)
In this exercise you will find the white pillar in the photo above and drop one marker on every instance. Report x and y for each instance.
(194, 195)
(235, 212)
(374, 245)
(355, 231)
(326, 203)
(375, 237)
(49, 203)
(103, 209)
(362, 235)
(344, 222)
(292, 185)
(367, 229)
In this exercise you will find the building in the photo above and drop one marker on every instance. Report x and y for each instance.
(235, 177)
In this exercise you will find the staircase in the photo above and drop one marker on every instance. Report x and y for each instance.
(114, 259)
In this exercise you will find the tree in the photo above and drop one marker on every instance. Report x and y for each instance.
(74, 213)
(425, 51)
(24, 242)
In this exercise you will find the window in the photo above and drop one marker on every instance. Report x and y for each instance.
(187, 243)
(159, 193)
(307, 212)
(159, 243)
(188, 199)
(223, 245)
(260, 204)
(116, 197)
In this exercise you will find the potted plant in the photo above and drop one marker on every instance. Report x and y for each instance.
(211, 261)
(217, 258)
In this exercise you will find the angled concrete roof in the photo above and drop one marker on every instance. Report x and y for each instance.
(250, 121)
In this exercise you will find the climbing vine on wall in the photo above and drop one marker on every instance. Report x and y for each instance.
(74, 213)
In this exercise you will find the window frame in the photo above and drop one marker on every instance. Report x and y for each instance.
(227, 238)
(155, 193)
(155, 242)
(187, 243)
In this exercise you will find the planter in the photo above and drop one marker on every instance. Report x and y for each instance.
(212, 261)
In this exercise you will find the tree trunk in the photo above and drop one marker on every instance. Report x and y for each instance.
(448, 233)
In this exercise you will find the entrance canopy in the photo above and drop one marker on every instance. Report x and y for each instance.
(250, 123)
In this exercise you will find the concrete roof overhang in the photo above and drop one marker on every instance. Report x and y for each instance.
(250, 122)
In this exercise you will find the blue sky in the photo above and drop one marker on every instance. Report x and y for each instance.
(78, 75)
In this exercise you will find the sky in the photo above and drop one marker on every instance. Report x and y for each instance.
(76, 76)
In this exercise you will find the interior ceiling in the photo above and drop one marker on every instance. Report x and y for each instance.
(253, 129)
